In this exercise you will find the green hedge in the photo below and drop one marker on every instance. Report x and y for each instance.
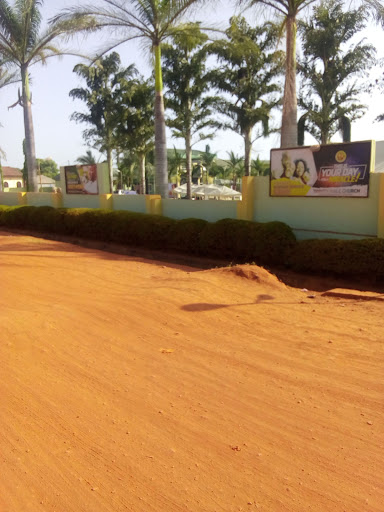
(360, 258)
(231, 240)
(238, 241)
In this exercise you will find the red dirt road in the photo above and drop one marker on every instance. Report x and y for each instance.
(133, 385)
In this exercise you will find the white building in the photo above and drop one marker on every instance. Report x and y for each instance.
(12, 178)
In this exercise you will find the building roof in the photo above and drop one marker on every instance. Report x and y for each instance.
(45, 180)
(11, 172)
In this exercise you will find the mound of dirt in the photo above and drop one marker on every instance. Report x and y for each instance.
(253, 273)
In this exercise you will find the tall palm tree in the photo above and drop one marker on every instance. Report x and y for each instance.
(104, 84)
(188, 86)
(248, 66)
(152, 21)
(289, 10)
(329, 92)
(22, 45)
(134, 121)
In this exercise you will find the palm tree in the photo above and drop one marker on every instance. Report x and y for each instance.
(104, 83)
(248, 66)
(187, 86)
(207, 159)
(235, 167)
(152, 21)
(289, 9)
(328, 94)
(6, 78)
(87, 159)
(134, 121)
(176, 165)
(22, 45)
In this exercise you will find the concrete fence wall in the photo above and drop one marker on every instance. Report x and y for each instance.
(323, 217)
(309, 217)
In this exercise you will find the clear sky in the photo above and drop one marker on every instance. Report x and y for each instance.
(61, 139)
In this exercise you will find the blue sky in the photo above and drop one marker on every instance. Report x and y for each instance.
(61, 139)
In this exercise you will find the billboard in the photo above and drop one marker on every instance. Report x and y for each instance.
(81, 179)
(329, 170)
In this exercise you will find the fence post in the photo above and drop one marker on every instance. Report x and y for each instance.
(57, 199)
(106, 201)
(154, 205)
(245, 207)
(380, 210)
(22, 198)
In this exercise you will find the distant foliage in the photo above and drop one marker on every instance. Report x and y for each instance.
(48, 167)
(332, 69)
(248, 66)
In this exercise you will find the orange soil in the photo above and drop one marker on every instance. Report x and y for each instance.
(133, 385)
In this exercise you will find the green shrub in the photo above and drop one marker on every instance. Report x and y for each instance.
(234, 240)
(3, 211)
(44, 219)
(19, 217)
(185, 235)
(269, 244)
(339, 257)
(245, 241)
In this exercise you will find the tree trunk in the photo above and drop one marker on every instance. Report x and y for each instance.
(142, 173)
(110, 168)
(29, 132)
(161, 163)
(324, 137)
(247, 151)
(188, 164)
(289, 120)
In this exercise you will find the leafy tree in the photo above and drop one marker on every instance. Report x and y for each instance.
(249, 65)
(176, 164)
(153, 22)
(48, 167)
(288, 10)
(260, 167)
(207, 160)
(87, 159)
(187, 87)
(235, 167)
(22, 45)
(328, 96)
(103, 84)
(134, 121)
(6, 78)
(128, 166)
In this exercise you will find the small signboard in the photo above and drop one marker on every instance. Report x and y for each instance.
(329, 170)
(81, 179)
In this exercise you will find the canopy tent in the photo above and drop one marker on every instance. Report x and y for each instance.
(208, 191)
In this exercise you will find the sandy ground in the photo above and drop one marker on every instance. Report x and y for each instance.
(133, 385)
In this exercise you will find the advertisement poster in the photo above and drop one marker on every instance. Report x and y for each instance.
(330, 170)
(81, 179)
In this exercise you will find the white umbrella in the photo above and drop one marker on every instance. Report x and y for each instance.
(217, 191)
(182, 189)
(208, 191)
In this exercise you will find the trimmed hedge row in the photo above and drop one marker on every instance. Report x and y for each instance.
(233, 240)
(357, 258)
(238, 241)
